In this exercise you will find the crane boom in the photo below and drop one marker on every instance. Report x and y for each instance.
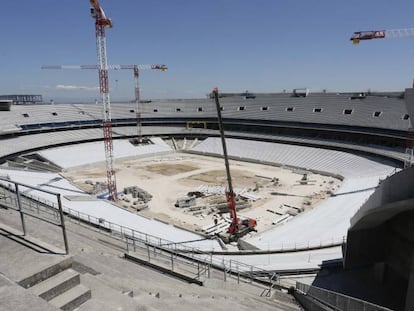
(237, 227)
(381, 34)
(229, 193)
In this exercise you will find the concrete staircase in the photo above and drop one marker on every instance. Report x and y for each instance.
(59, 285)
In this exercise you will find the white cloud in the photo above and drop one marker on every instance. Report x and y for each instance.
(77, 87)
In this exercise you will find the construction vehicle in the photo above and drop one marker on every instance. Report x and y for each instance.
(238, 227)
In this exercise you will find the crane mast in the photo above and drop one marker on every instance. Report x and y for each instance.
(138, 94)
(137, 105)
(102, 22)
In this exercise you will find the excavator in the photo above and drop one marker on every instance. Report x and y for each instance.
(238, 227)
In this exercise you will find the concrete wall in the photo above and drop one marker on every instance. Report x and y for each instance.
(382, 235)
(409, 103)
(397, 188)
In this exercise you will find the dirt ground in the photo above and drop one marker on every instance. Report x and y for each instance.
(167, 178)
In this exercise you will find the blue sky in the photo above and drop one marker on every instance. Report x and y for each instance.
(237, 45)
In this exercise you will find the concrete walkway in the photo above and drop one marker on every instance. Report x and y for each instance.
(117, 284)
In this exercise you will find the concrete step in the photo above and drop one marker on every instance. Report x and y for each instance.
(72, 298)
(121, 298)
(46, 273)
(57, 284)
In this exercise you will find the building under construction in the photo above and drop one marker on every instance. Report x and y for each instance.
(23, 99)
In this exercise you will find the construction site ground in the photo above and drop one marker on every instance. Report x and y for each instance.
(280, 191)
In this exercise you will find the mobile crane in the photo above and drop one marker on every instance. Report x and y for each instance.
(238, 227)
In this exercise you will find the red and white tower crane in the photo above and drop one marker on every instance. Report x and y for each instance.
(102, 22)
(135, 68)
(381, 34)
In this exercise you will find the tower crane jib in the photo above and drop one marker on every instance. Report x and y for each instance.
(135, 68)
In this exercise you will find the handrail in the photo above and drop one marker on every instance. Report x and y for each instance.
(119, 231)
(337, 301)
(19, 206)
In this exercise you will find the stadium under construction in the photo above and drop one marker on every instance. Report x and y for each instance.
(326, 176)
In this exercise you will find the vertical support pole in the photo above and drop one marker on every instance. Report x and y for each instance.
(133, 238)
(19, 205)
(149, 254)
(172, 262)
(137, 103)
(62, 224)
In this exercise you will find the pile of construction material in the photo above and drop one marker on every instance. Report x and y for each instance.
(224, 207)
(138, 193)
(219, 226)
(284, 213)
(242, 192)
(96, 187)
(136, 197)
(202, 205)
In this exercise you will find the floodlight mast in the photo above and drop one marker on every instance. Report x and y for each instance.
(102, 22)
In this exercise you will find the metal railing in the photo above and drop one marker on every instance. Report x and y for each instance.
(168, 259)
(337, 301)
(177, 251)
(12, 196)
